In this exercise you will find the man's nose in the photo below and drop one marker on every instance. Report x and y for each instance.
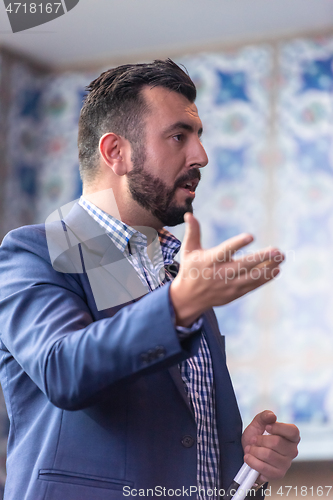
(199, 157)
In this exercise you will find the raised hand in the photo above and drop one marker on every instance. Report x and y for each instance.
(212, 277)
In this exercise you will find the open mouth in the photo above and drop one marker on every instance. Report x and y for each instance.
(190, 186)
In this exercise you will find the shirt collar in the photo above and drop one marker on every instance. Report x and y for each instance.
(170, 245)
(120, 233)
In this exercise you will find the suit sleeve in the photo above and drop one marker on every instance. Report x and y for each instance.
(46, 325)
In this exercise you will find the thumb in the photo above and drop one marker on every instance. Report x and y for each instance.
(264, 418)
(192, 234)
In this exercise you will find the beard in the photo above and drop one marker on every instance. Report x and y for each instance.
(154, 195)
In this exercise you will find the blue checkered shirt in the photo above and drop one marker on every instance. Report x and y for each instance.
(196, 372)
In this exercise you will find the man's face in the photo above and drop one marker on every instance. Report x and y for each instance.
(165, 170)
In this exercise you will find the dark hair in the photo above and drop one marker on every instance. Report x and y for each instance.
(115, 104)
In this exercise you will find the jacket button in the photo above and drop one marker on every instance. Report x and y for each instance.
(144, 358)
(188, 441)
(151, 356)
(160, 351)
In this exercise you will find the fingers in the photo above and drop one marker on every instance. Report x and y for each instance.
(285, 443)
(256, 277)
(225, 251)
(252, 275)
(261, 258)
(269, 464)
(214, 273)
(281, 446)
(268, 258)
(288, 431)
(261, 420)
(272, 454)
(192, 233)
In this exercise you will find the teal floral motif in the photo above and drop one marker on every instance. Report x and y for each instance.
(317, 74)
(232, 87)
(31, 103)
(229, 162)
(315, 155)
(56, 106)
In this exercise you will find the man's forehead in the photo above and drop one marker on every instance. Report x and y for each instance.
(162, 100)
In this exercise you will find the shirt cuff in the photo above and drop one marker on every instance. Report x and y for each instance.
(184, 332)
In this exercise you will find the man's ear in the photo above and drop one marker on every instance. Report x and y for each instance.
(113, 149)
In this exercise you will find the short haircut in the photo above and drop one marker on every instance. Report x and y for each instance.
(115, 104)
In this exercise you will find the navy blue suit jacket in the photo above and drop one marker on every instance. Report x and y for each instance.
(95, 398)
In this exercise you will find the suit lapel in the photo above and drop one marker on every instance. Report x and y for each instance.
(226, 404)
(227, 413)
(176, 376)
(229, 422)
(112, 278)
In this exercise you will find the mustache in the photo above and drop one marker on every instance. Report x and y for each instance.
(192, 174)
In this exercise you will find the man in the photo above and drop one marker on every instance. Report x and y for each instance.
(111, 390)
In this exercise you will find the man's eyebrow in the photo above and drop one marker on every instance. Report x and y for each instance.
(184, 126)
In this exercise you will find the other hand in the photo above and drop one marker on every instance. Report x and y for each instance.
(272, 454)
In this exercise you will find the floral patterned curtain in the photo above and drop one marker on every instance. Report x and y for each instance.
(267, 112)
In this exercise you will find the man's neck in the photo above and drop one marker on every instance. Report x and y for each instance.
(130, 214)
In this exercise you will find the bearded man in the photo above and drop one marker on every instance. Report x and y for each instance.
(113, 367)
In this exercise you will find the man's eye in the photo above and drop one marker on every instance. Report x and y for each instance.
(178, 137)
